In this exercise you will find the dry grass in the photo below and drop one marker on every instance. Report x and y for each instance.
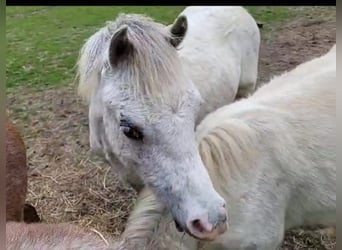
(320, 239)
(65, 183)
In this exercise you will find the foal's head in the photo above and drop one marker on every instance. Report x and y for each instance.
(149, 106)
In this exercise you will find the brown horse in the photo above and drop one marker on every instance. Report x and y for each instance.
(51, 236)
(16, 178)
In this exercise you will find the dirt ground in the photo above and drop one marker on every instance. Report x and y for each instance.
(67, 184)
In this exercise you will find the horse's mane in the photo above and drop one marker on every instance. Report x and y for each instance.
(153, 68)
(91, 60)
(227, 150)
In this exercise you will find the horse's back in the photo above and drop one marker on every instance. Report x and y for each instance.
(216, 17)
(220, 52)
(21, 236)
(311, 85)
(216, 30)
(300, 103)
(16, 173)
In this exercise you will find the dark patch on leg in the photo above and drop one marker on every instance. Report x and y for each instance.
(30, 214)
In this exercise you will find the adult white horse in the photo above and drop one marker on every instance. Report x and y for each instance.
(272, 157)
(142, 115)
(219, 52)
(218, 49)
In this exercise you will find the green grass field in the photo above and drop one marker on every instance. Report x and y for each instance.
(43, 42)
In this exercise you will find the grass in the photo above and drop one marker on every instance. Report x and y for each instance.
(43, 42)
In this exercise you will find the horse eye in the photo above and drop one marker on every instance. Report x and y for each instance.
(130, 130)
(132, 133)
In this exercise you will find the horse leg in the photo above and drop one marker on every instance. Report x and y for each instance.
(245, 90)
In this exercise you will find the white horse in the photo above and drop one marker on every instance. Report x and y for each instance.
(218, 49)
(220, 52)
(142, 115)
(272, 157)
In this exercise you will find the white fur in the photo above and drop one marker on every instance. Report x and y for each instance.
(144, 88)
(131, 71)
(220, 53)
(272, 157)
(42, 236)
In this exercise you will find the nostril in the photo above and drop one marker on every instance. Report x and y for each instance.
(201, 226)
(197, 225)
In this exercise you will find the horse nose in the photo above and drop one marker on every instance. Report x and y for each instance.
(201, 227)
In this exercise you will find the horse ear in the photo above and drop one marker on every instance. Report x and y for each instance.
(178, 30)
(120, 46)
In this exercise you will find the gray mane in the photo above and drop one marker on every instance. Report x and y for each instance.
(153, 69)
